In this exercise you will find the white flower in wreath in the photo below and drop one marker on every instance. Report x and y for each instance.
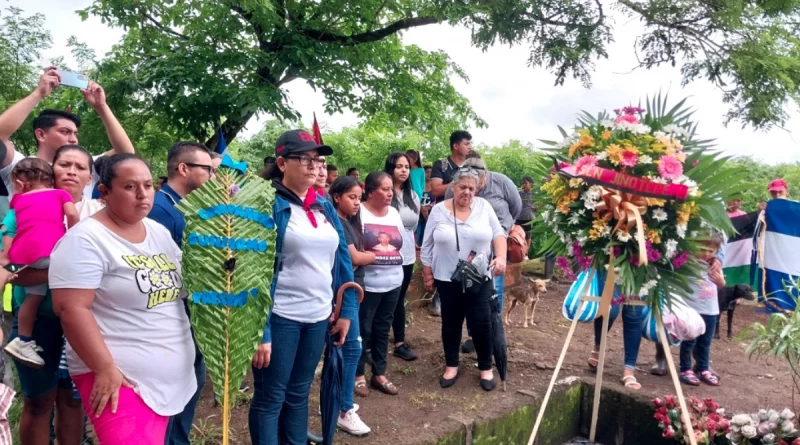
(608, 123)
(591, 205)
(658, 180)
(575, 182)
(659, 214)
(602, 156)
(676, 131)
(681, 229)
(633, 128)
(545, 215)
(645, 159)
(570, 250)
(581, 212)
(582, 240)
(623, 236)
(671, 248)
(693, 189)
(574, 219)
(605, 231)
(693, 234)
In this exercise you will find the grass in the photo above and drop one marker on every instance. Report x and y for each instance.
(405, 370)
(15, 412)
(205, 432)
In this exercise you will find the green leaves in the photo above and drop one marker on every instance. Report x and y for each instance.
(228, 336)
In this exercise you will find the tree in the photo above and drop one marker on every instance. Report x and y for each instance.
(209, 64)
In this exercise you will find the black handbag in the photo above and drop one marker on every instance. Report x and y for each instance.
(466, 274)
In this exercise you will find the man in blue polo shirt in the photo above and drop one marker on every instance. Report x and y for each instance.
(189, 165)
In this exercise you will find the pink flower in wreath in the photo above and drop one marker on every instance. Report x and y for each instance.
(680, 260)
(629, 118)
(670, 168)
(584, 163)
(629, 159)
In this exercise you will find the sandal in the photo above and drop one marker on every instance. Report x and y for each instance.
(689, 378)
(630, 382)
(387, 388)
(361, 389)
(714, 373)
(594, 361)
(709, 378)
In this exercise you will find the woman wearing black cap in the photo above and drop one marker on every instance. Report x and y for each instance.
(311, 262)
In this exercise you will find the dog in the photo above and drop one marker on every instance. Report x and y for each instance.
(728, 298)
(526, 293)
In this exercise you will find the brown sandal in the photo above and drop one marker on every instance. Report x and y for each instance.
(361, 389)
(386, 388)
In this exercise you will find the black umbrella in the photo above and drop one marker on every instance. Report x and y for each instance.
(330, 390)
(499, 348)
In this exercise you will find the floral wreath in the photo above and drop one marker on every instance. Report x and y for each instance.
(640, 186)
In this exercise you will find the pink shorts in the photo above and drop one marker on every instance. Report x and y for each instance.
(134, 422)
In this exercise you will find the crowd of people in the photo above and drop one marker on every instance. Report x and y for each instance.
(101, 324)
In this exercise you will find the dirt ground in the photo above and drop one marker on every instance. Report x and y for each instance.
(423, 412)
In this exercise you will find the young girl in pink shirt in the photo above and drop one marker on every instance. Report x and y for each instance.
(40, 212)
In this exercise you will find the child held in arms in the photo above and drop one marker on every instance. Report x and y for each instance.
(704, 301)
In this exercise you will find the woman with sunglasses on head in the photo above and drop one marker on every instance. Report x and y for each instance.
(311, 263)
(346, 193)
(406, 201)
(382, 226)
(462, 228)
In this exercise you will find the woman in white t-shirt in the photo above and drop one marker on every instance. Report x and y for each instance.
(383, 278)
(406, 201)
(459, 229)
(117, 287)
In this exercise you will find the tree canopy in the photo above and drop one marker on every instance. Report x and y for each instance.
(208, 64)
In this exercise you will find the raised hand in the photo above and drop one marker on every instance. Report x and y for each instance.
(94, 95)
(48, 82)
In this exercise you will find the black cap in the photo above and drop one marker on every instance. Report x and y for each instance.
(299, 141)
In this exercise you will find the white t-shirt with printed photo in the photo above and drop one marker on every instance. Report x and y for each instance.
(138, 307)
(5, 175)
(386, 273)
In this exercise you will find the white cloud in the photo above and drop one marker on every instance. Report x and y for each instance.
(517, 101)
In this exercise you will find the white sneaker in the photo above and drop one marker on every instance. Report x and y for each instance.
(26, 352)
(352, 424)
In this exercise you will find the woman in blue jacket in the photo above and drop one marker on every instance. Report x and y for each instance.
(311, 262)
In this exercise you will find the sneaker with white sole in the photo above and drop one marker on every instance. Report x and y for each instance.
(25, 352)
(352, 424)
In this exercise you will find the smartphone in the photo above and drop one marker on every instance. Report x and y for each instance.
(75, 80)
(15, 268)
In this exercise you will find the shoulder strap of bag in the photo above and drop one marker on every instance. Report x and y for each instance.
(455, 225)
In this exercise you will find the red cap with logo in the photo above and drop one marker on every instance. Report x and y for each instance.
(777, 185)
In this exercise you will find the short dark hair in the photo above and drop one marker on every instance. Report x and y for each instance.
(427, 167)
(373, 182)
(332, 168)
(177, 154)
(351, 170)
(48, 119)
(109, 170)
(269, 160)
(162, 178)
(527, 179)
(457, 136)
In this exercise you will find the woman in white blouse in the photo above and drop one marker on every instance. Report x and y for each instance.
(479, 233)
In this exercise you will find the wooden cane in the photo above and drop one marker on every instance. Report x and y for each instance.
(605, 307)
(581, 305)
(662, 337)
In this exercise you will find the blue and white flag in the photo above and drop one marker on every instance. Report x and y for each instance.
(222, 146)
(586, 311)
(780, 256)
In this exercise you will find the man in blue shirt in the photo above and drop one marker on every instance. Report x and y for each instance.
(188, 167)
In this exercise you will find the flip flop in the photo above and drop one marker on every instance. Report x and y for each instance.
(709, 378)
(689, 378)
(630, 382)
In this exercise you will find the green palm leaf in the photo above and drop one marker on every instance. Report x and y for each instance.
(228, 333)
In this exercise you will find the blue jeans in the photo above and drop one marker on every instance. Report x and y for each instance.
(699, 347)
(632, 317)
(351, 353)
(279, 410)
(180, 425)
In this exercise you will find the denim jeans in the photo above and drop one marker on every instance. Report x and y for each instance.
(351, 354)
(455, 307)
(632, 317)
(375, 319)
(399, 321)
(699, 347)
(180, 425)
(279, 410)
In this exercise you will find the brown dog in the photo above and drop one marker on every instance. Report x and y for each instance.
(527, 293)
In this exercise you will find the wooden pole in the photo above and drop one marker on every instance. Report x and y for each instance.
(605, 306)
(542, 408)
(662, 337)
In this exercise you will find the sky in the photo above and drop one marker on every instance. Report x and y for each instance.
(517, 101)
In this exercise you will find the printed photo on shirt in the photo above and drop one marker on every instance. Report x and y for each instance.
(385, 242)
(156, 277)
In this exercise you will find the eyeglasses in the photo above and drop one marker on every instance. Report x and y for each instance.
(307, 160)
(208, 168)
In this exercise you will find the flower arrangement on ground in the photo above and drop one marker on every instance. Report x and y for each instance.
(638, 186)
(708, 419)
